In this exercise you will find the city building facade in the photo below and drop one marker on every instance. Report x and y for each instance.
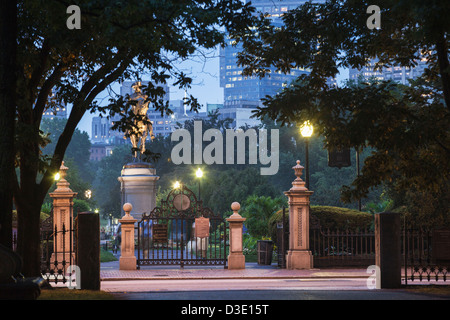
(247, 92)
(395, 73)
(104, 138)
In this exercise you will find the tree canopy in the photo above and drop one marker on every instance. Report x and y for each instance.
(118, 40)
(406, 126)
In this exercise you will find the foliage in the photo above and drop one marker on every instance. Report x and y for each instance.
(249, 244)
(46, 208)
(406, 127)
(258, 210)
(381, 206)
(341, 218)
(106, 187)
(119, 40)
(106, 256)
(77, 184)
(80, 206)
(329, 217)
(223, 184)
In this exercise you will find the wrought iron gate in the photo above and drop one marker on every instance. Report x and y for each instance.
(167, 235)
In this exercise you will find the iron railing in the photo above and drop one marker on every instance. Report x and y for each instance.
(338, 248)
(421, 261)
(56, 252)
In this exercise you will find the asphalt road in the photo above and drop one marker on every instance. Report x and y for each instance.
(257, 289)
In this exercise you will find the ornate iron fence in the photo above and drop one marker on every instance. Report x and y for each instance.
(330, 248)
(58, 249)
(337, 248)
(426, 254)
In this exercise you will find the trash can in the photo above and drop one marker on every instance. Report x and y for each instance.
(265, 248)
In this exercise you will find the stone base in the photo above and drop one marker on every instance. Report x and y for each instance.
(236, 261)
(138, 187)
(299, 259)
(127, 263)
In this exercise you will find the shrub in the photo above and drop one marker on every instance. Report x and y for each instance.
(258, 210)
(332, 218)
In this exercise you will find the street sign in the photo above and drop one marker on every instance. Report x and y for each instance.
(339, 158)
(202, 227)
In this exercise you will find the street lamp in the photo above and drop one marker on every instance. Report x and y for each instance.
(306, 130)
(199, 174)
(176, 185)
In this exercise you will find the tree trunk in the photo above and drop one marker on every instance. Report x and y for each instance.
(28, 246)
(8, 45)
(444, 67)
(28, 204)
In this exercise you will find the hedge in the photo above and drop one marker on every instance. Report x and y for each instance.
(332, 218)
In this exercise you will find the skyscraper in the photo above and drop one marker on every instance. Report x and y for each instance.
(56, 109)
(246, 92)
(396, 73)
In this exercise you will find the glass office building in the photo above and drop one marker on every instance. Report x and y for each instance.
(247, 91)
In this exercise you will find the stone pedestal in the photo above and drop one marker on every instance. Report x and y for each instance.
(299, 256)
(127, 259)
(138, 186)
(63, 220)
(236, 258)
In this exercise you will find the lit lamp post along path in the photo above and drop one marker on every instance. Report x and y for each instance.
(306, 130)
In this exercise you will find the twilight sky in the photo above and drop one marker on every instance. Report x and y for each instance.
(205, 87)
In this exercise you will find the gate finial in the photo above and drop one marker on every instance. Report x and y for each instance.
(127, 207)
(235, 206)
(298, 183)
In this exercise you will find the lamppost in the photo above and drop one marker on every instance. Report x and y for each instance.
(199, 174)
(306, 130)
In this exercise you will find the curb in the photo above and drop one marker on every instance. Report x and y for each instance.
(229, 278)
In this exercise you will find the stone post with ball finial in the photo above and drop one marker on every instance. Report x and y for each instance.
(127, 259)
(236, 258)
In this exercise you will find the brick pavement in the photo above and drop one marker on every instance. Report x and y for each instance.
(110, 271)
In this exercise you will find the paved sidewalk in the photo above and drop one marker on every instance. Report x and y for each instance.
(110, 271)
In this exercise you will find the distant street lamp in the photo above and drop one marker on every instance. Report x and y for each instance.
(88, 194)
(306, 130)
(199, 174)
(176, 185)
